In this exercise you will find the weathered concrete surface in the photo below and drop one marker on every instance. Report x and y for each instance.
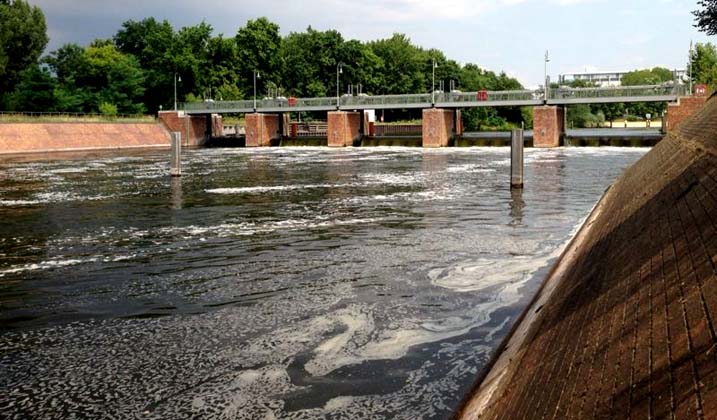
(624, 326)
(54, 137)
(548, 126)
(679, 112)
(343, 128)
(438, 127)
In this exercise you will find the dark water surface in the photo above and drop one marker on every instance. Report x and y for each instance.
(275, 283)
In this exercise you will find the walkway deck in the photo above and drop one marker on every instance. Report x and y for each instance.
(625, 325)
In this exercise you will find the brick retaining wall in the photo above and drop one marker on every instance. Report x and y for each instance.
(625, 325)
(52, 137)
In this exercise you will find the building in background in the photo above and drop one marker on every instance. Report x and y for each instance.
(608, 78)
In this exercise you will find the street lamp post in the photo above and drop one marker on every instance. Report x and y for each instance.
(256, 76)
(545, 86)
(433, 84)
(176, 79)
(339, 70)
(690, 75)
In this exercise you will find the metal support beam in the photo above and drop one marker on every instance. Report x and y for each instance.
(516, 158)
(175, 168)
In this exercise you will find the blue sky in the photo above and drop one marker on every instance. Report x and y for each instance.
(510, 35)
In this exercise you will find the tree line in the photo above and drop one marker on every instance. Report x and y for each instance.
(135, 71)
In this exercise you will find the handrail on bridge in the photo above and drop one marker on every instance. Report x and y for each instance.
(455, 98)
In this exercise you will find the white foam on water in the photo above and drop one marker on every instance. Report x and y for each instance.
(43, 265)
(482, 274)
(394, 179)
(469, 168)
(18, 203)
(261, 189)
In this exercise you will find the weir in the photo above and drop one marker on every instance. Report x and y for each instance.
(624, 326)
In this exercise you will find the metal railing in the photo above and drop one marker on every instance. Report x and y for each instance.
(447, 99)
(618, 92)
(72, 116)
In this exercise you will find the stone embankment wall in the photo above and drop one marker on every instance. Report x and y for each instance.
(53, 137)
(626, 324)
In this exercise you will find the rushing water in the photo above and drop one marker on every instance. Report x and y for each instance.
(275, 283)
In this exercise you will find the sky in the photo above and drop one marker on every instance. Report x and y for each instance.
(500, 35)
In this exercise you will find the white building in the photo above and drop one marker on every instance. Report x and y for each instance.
(607, 78)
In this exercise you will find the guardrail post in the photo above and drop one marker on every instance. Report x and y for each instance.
(516, 158)
(175, 169)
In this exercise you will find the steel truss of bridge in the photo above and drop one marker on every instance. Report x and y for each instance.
(561, 96)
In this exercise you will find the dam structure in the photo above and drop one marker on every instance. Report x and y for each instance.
(268, 121)
(624, 326)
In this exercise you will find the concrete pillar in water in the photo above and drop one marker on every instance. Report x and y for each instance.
(176, 162)
(516, 158)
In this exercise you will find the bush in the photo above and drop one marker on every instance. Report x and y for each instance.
(108, 109)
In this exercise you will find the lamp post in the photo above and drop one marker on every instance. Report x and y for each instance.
(176, 79)
(256, 76)
(545, 89)
(433, 84)
(690, 75)
(339, 70)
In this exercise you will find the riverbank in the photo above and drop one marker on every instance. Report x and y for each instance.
(624, 326)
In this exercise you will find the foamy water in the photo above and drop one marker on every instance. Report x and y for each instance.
(275, 283)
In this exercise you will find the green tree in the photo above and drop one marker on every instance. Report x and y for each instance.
(35, 91)
(704, 64)
(155, 45)
(655, 76)
(258, 49)
(223, 70)
(706, 18)
(107, 75)
(23, 37)
(404, 65)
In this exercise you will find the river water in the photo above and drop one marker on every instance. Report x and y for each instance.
(274, 283)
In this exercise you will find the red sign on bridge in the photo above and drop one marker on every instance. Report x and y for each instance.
(700, 90)
(482, 95)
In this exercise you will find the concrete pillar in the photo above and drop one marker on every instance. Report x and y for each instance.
(261, 129)
(678, 112)
(548, 126)
(437, 127)
(516, 158)
(175, 167)
(459, 123)
(343, 128)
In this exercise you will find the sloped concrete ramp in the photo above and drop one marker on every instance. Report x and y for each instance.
(624, 327)
(53, 137)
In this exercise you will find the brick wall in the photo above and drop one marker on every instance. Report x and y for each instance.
(192, 127)
(678, 112)
(46, 137)
(437, 127)
(343, 128)
(261, 129)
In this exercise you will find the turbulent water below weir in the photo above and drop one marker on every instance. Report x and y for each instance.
(274, 283)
